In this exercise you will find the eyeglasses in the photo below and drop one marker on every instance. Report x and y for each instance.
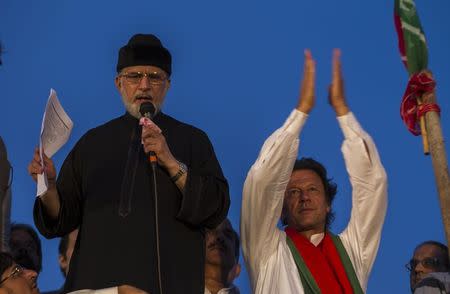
(297, 192)
(428, 262)
(16, 271)
(135, 77)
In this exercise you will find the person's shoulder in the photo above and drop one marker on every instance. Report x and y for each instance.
(105, 130)
(115, 122)
(107, 127)
(174, 123)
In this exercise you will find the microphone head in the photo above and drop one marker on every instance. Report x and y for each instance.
(147, 109)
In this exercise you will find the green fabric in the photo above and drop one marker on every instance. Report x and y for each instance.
(347, 263)
(309, 284)
(416, 52)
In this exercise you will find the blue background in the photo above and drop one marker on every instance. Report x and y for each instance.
(237, 67)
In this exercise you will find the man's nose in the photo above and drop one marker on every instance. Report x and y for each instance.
(304, 196)
(144, 84)
(220, 238)
(418, 268)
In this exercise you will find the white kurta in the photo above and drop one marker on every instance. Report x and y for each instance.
(269, 261)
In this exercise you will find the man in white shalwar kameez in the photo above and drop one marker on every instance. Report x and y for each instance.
(305, 257)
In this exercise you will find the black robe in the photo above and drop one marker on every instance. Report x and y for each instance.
(114, 250)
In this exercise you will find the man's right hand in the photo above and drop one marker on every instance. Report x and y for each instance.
(306, 98)
(35, 167)
(50, 199)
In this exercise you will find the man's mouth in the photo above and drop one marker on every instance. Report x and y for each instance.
(417, 279)
(305, 209)
(143, 98)
(216, 246)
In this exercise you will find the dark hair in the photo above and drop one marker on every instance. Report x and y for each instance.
(329, 186)
(237, 244)
(21, 255)
(443, 252)
(6, 261)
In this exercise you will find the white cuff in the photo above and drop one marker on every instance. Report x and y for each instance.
(112, 290)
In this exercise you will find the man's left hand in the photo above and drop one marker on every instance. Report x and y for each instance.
(154, 140)
(336, 93)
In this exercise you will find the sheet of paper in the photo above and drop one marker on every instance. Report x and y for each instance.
(55, 131)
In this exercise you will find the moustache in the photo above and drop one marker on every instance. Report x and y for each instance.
(143, 96)
(217, 245)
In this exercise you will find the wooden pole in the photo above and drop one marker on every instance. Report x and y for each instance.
(439, 160)
(423, 129)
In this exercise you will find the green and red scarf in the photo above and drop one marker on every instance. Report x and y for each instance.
(323, 269)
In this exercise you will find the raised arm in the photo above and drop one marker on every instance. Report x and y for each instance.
(361, 238)
(336, 93)
(265, 185)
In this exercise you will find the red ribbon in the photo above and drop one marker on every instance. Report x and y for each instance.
(424, 108)
(410, 111)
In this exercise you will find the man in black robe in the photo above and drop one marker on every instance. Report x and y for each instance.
(105, 188)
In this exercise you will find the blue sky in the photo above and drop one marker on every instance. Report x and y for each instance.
(236, 72)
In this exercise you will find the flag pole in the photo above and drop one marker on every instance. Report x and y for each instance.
(439, 161)
(423, 130)
(414, 53)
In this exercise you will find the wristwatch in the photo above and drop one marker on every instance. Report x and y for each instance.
(182, 169)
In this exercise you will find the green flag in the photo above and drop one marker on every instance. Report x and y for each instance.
(411, 38)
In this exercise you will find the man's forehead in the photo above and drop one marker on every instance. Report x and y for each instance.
(143, 68)
(224, 225)
(304, 175)
(427, 250)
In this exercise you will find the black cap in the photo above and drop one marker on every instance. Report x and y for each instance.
(145, 49)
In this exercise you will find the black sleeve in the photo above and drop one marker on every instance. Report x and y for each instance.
(69, 187)
(206, 198)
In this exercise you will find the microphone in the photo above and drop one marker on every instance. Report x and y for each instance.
(147, 109)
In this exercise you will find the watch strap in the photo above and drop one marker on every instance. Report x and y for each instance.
(182, 169)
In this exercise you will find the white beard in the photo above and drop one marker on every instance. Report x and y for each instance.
(132, 108)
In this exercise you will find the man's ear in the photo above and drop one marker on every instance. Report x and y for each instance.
(118, 83)
(234, 273)
(166, 87)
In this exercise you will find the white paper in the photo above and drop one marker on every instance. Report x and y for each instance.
(55, 131)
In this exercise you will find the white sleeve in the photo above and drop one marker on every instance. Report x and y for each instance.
(112, 290)
(368, 178)
(263, 192)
